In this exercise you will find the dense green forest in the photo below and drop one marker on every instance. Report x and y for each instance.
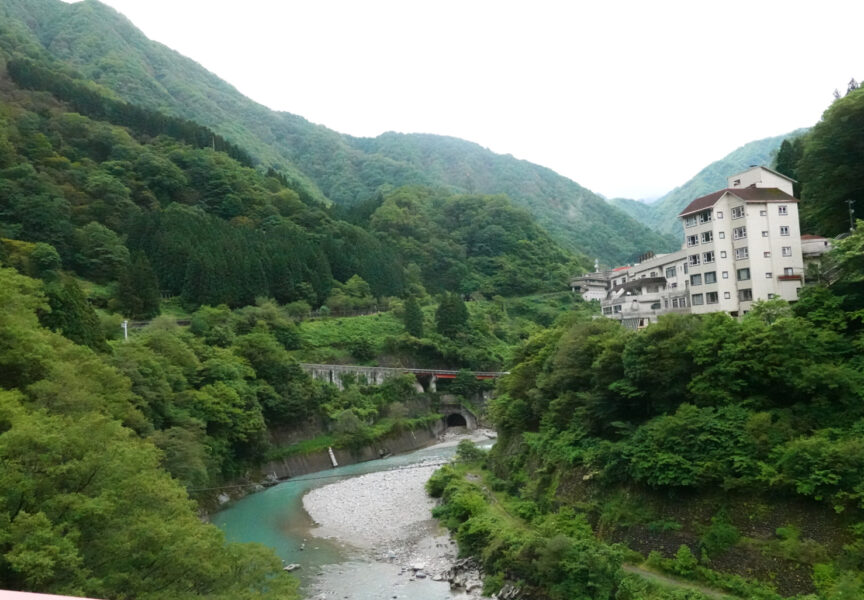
(93, 40)
(87, 505)
(724, 451)
(828, 164)
(144, 214)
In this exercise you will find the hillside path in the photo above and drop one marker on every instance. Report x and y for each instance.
(677, 583)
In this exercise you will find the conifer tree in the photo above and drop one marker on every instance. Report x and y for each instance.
(451, 316)
(138, 294)
(71, 314)
(413, 317)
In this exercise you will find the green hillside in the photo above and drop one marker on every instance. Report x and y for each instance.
(96, 41)
(574, 216)
(662, 215)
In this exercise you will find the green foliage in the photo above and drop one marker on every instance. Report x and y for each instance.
(413, 317)
(831, 167)
(562, 562)
(470, 244)
(603, 419)
(71, 314)
(451, 317)
(467, 451)
(138, 290)
(719, 536)
(85, 505)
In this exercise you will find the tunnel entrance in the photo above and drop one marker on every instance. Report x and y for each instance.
(456, 420)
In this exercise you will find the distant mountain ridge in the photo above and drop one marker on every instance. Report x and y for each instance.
(662, 215)
(98, 42)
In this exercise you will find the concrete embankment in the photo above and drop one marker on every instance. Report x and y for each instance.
(302, 464)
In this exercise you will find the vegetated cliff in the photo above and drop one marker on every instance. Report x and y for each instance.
(715, 449)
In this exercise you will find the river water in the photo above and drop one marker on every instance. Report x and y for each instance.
(335, 568)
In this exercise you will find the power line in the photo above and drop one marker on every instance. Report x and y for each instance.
(297, 480)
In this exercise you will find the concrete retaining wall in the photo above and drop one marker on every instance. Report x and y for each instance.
(292, 466)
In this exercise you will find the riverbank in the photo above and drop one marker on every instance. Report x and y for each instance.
(385, 517)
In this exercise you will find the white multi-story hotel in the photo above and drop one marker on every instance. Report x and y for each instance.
(741, 244)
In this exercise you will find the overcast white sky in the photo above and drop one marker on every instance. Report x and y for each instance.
(627, 98)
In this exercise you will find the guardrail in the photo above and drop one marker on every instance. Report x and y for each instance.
(438, 372)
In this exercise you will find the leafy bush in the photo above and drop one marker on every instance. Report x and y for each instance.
(467, 451)
(719, 537)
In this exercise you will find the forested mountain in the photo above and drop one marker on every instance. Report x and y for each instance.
(115, 203)
(94, 40)
(662, 214)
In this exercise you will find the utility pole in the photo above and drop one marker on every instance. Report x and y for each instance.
(851, 218)
(125, 326)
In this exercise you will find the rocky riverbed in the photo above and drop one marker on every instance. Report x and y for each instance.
(386, 518)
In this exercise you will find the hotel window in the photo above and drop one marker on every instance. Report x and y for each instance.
(764, 234)
(692, 240)
(787, 251)
(722, 254)
(769, 275)
(693, 259)
(607, 310)
(707, 236)
(711, 277)
(696, 279)
(690, 221)
(725, 274)
(743, 274)
(763, 213)
(711, 298)
(683, 302)
(745, 295)
(670, 272)
(766, 254)
(726, 295)
(708, 257)
(781, 210)
(784, 230)
(770, 296)
(705, 216)
(616, 308)
(788, 271)
(719, 214)
(697, 299)
(738, 233)
(721, 235)
(741, 253)
(737, 212)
